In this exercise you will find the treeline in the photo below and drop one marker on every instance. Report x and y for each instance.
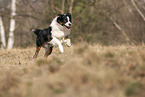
(108, 22)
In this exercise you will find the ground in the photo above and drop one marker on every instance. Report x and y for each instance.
(84, 70)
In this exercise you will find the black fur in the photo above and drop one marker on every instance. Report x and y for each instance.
(43, 36)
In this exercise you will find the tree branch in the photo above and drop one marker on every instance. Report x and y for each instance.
(82, 12)
(25, 15)
(55, 8)
(138, 10)
(120, 29)
(63, 4)
(71, 6)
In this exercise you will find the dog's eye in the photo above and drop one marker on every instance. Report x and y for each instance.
(65, 20)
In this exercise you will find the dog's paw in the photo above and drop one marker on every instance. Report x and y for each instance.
(34, 56)
(61, 51)
(68, 45)
(68, 42)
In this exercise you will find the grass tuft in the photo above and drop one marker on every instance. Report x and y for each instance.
(134, 89)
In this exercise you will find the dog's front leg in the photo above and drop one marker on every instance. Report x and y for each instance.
(55, 41)
(67, 42)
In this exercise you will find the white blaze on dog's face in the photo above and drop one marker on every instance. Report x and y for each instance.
(65, 20)
(68, 23)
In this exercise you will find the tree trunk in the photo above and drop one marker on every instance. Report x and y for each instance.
(12, 25)
(2, 34)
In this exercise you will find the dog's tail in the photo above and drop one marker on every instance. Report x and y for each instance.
(33, 30)
(36, 31)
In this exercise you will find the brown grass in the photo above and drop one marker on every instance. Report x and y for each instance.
(82, 71)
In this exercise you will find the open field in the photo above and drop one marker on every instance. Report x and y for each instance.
(82, 71)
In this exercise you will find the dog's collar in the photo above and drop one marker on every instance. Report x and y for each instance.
(60, 24)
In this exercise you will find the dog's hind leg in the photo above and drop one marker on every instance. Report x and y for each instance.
(36, 52)
(38, 49)
(48, 51)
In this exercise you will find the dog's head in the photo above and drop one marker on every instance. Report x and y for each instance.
(64, 20)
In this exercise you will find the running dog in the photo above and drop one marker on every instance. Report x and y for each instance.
(55, 35)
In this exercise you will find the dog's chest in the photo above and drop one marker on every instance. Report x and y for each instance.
(59, 33)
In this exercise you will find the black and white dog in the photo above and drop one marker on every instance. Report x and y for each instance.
(55, 35)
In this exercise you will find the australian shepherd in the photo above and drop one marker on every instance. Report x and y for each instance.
(55, 35)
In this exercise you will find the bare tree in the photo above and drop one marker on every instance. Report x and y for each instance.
(12, 25)
(2, 34)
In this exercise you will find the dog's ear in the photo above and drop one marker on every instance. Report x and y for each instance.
(68, 14)
(60, 18)
(59, 14)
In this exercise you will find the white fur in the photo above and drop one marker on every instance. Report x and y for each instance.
(58, 34)
(67, 24)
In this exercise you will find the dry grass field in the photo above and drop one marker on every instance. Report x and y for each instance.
(83, 70)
